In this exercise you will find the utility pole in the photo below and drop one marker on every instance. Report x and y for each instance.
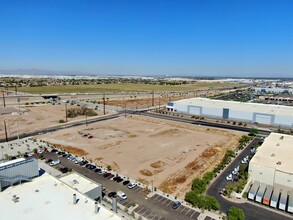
(125, 109)
(15, 89)
(66, 111)
(153, 99)
(104, 103)
(3, 99)
(85, 116)
(6, 137)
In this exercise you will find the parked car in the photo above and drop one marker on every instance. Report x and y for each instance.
(229, 177)
(126, 182)
(121, 195)
(132, 185)
(176, 204)
(106, 174)
(111, 194)
(97, 170)
(54, 162)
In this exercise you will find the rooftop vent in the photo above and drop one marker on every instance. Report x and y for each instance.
(282, 137)
(278, 144)
(279, 163)
(273, 155)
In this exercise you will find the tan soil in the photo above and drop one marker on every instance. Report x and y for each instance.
(168, 153)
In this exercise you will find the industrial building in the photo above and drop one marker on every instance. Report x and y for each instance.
(276, 115)
(18, 170)
(271, 172)
(272, 90)
(48, 198)
(83, 185)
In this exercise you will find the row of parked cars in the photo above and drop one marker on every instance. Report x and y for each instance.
(99, 170)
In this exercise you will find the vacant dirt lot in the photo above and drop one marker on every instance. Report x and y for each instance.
(169, 154)
(34, 118)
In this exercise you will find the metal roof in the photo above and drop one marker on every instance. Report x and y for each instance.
(275, 152)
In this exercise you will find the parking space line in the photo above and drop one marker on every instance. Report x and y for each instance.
(160, 199)
(149, 214)
(156, 196)
(188, 211)
(192, 213)
(140, 210)
(169, 203)
(195, 215)
(145, 212)
(155, 216)
(182, 209)
(166, 201)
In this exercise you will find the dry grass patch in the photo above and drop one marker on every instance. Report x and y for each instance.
(70, 149)
(158, 164)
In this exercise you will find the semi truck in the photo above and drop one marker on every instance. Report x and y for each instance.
(253, 190)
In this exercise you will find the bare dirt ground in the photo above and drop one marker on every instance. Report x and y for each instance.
(169, 154)
(34, 118)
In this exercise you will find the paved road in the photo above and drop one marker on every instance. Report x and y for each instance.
(150, 208)
(252, 212)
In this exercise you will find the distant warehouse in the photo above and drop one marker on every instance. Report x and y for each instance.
(250, 112)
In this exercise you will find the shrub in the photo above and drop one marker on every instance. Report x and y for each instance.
(235, 213)
(61, 121)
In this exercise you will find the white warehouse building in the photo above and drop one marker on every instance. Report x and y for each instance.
(272, 90)
(272, 163)
(18, 170)
(277, 115)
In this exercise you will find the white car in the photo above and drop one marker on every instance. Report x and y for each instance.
(54, 162)
(132, 185)
(229, 177)
(121, 195)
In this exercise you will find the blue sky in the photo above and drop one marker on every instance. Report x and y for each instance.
(197, 37)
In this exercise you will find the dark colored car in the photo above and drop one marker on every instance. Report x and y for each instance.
(106, 175)
(112, 194)
(48, 161)
(92, 167)
(176, 205)
(64, 169)
(97, 170)
(120, 179)
(110, 176)
(54, 150)
(84, 162)
(126, 182)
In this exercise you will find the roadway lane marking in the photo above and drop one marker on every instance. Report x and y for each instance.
(182, 209)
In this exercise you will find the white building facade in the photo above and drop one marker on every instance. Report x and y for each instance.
(276, 115)
(18, 170)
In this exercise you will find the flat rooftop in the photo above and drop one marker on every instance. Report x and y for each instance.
(78, 182)
(276, 152)
(11, 162)
(47, 198)
(243, 106)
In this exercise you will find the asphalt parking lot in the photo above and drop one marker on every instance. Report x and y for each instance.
(167, 203)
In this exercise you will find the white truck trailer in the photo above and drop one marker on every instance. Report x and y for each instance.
(260, 193)
(275, 197)
(253, 190)
(283, 200)
(267, 197)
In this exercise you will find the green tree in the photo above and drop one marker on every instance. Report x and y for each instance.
(235, 213)
(253, 132)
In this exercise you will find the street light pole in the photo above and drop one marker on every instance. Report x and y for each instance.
(66, 111)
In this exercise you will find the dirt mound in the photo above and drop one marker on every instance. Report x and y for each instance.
(158, 164)
(210, 152)
(146, 172)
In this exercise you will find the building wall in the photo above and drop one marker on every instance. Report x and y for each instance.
(27, 168)
(284, 179)
(261, 173)
(234, 114)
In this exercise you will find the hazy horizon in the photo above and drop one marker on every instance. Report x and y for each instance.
(189, 38)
